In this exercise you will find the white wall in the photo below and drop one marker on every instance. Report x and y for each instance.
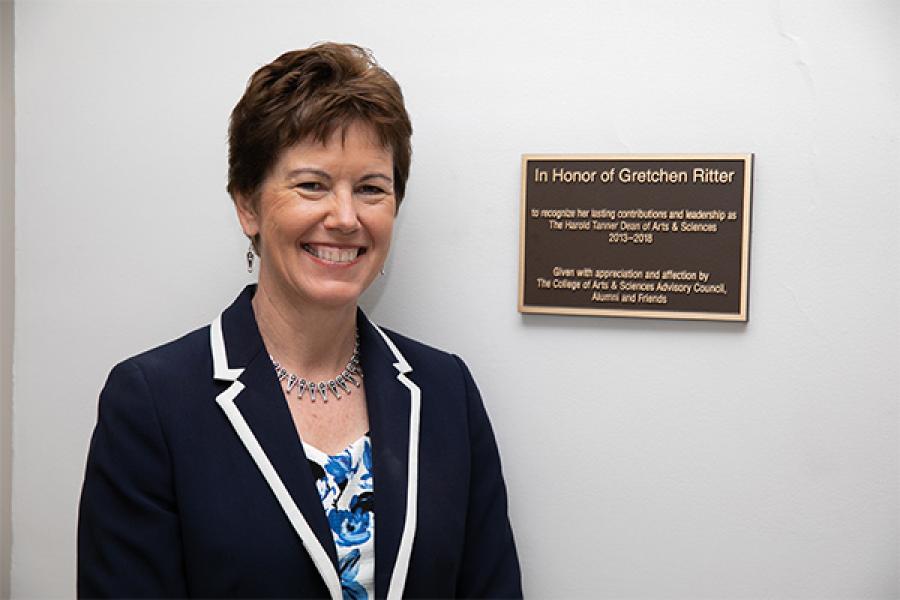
(7, 280)
(645, 459)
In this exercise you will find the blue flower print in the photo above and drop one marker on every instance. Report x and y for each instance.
(349, 569)
(364, 502)
(341, 467)
(326, 490)
(367, 454)
(323, 483)
(365, 480)
(350, 527)
(345, 485)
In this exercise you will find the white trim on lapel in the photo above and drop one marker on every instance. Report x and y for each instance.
(225, 400)
(219, 356)
(401, 565)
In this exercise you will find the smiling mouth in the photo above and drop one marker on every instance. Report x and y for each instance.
(332, 254)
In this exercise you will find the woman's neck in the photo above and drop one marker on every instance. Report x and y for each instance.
(314, 342)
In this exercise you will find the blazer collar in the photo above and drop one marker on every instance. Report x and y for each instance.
(255, 407)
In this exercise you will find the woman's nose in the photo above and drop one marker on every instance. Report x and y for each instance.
(342, 212)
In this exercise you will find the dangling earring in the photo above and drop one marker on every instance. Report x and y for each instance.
(250, 258)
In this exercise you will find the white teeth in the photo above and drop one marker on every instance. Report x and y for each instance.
(338, 255)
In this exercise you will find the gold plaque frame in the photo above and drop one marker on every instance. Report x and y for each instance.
(740, 315)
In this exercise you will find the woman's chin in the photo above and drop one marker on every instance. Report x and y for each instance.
(300, 292)
(332, 295)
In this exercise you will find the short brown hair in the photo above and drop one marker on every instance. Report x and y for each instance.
(308, 95)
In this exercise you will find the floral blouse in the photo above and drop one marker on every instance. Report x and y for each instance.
(346, 488)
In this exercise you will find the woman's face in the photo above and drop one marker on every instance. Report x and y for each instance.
(324, 216)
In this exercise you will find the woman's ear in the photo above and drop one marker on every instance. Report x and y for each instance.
(247, 214)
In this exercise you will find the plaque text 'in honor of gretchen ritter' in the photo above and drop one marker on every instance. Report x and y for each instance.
(664, 236)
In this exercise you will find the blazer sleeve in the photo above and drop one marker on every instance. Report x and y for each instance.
(490, 565)
(129, 540)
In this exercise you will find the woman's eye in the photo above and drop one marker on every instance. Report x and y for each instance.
(310, 186)
(371, 190)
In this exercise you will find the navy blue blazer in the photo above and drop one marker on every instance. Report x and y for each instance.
(197, 484)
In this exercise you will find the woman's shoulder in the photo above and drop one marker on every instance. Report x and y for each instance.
(411, 348)
(166, 371)
(185, 353)
(425, 359)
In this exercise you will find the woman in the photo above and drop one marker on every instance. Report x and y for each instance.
(292, 448)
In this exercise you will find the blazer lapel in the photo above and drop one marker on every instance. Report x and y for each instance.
(263, 407)
(255, 406)
(393, 406)
(388, 408)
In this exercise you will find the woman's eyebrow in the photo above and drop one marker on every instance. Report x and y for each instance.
(307, 171)
(320, 173)
(369, 176)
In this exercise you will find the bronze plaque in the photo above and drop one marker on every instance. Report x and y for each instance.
(660, 236)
